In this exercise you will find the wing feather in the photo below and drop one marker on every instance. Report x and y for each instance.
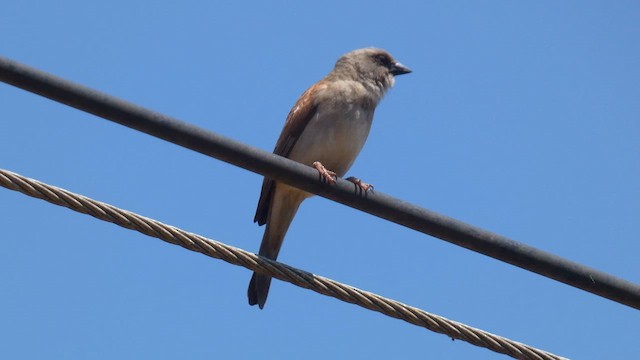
(301, 113)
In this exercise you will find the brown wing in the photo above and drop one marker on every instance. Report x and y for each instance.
(303, 110)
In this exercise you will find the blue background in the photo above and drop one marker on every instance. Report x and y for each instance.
(520, 117)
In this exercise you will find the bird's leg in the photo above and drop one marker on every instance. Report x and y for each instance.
(361, 184)
(328, 175)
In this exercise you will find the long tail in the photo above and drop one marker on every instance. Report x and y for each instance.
(283, 208)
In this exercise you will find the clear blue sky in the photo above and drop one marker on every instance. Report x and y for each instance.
(521, 118)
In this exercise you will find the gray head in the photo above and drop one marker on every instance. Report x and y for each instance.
(369, 66)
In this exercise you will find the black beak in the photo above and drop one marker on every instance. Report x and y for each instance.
(399, 69)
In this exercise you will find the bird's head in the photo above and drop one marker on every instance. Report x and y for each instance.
(369, 65)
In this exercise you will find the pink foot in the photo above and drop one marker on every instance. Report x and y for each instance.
(328, 175)
(361, 184)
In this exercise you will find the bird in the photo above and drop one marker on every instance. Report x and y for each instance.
(326, 129)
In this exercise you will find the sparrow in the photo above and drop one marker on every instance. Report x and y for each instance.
(326, 128)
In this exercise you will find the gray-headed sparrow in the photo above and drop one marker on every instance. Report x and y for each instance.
(326, 129)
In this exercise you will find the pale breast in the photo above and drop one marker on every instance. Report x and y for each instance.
(337, 132)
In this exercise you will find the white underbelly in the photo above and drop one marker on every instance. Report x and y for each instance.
(333, 140)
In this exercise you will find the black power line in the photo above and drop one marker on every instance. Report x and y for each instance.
(306, 178)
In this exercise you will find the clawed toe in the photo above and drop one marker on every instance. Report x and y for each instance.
(365, 187)
(328, 175)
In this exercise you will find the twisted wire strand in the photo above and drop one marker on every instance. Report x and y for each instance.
(236, 256)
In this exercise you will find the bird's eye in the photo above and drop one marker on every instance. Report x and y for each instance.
(383, 60)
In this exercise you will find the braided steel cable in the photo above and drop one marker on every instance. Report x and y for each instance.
(236, 256)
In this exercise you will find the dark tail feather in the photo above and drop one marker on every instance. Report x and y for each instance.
(258, 289)
(283, 208)
(259, 284)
